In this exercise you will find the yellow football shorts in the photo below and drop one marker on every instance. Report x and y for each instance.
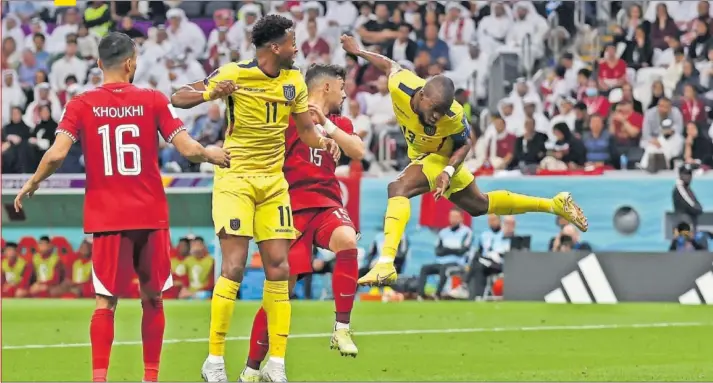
(256, 207)
(432, 166)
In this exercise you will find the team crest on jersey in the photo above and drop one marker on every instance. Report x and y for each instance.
(289, 92)
(235, 224)
(429, 130)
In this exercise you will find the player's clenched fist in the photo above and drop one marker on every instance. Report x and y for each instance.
(223, 89)
(218, 156)
(331, 146)
(349, 44)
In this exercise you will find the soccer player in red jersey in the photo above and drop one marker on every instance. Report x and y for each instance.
(319, 215)
(125, 206)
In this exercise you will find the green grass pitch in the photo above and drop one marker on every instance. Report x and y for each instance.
(46, 340)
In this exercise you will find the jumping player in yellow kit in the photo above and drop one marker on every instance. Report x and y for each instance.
(250, 199)
(438, 140)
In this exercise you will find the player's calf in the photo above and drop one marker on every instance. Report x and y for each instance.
(344, 285)
(153, 324)
(101, 331)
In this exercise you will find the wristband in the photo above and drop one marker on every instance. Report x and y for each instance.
(449, 170)
(329, 127)
(206, 96)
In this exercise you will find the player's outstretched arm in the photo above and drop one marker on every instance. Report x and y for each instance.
(350, 143)
(49, 164)
(382, 63)
(309, 135)
(191, 95)
(197, 153)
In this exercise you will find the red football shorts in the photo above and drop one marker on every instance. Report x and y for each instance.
(118, 256)
(316, 226)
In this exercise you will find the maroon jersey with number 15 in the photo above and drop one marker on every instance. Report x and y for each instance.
(310, 172)
(118, 127)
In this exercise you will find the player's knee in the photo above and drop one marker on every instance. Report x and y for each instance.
(479, 205)
(343, 238)
(397, 189)
(106, 302)
(276, 269)
(232, 269)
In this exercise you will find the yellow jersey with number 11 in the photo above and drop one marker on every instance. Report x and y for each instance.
(450, 131)
(258, 114)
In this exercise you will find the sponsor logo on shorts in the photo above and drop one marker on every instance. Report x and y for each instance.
(284, 231)
(235, 224)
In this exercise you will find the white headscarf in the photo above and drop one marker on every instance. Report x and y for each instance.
(188, 35)
(11, 95)
(16, 32)
(32, 114)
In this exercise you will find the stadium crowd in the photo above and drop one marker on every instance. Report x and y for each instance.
(646, 102)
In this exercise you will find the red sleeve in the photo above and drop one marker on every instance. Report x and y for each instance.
(69, 123)
(166, 118)
(343, 123)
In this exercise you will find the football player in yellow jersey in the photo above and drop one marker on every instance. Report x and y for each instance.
(438, 139)
(250, 198)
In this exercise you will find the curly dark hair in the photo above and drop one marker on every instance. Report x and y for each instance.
(318, 71)
(270, 28)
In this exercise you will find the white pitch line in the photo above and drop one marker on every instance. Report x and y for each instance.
(394, 332)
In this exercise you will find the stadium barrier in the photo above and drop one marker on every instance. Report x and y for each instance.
(609, 277)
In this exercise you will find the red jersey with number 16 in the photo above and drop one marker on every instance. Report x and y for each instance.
(310, 172)
(118, 127)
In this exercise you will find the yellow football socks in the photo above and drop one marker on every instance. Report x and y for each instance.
(503, 202)
(222, 306)
(276, 302)
(398, 212)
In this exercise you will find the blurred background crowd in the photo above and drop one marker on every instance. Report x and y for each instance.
(549, 86)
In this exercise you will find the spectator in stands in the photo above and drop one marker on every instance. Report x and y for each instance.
(437, 49)
(627, 30)
(684, 239)
(597, 141)
(689, 76)
(685, 203)
(639, 53)
(17, 154)
(44, 95)
(70, 25)
(612, 70)
(595, 102)
(566, 114)
(37, 27)
(379, 108)
(12, 94)
(542, 123)
(314, 12)
(493, 29)
(379, 31)
(568, 149)
(529, 29)
(500, 144)
(10, 54)
(47, 268)
(205, 130)
(96, 77)
(315, 49)
(78, 272)
(38, 47)
(341, 14)
(667, 144)
(366, 14)
(692, 107)
(655, 116)
(583, 77)
(200, 267)
(238, 32)
(127, 27)
(664, 26)
(453, 244)
(403, 48)
(97, 17)
(698, 148)
(12, 28)
(572, 68)
(16, 273)
(530, 147)
(657, 92)
(87, 44)
(457, 31)
(523, 89)
(698, 50)
(68, 65)
(581, 116)
(186, 36)
(121, 9)
(627, 94)
(475, 65)
(569, 240)
(27, 69)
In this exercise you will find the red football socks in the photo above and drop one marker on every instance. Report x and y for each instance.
(344, 283)
(101, 332)
(153, 323)
(258, 340)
